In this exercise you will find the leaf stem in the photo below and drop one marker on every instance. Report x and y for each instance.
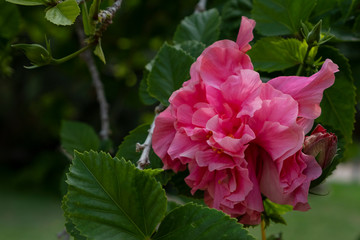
(301, 67)
(68, 57)
(263, 234)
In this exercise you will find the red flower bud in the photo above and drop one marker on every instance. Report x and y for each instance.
(322, 145)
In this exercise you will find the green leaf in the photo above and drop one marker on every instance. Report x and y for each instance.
(171, 68)
(231, 15)
(203, 27)
(194, 222)
(28, 2)
(63, 13)
(109, 198)
(193, 48)
(9, 20)
(78, 136)
(94, 10)
(127, 148)
(280, 17)
(99, 52)
(273, 212)
(274, 53)
(143, 89)
(338, 103)
(87, 23)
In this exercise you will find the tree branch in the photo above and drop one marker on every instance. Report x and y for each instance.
(98, 85)
(200, 6)
(146, 146)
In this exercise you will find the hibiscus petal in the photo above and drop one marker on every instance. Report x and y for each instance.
(245, 34)
(220, 63)
(163, 136)
(308, 91)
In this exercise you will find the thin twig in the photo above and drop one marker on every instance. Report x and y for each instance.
(146, 146)
(201, 6)
(98, 85)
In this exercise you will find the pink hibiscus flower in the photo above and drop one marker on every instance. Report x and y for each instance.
(238, 137)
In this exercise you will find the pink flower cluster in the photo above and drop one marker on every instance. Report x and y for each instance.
(241, 138)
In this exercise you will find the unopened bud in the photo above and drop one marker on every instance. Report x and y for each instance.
(314, 36)
(322, 145)
(36, 53)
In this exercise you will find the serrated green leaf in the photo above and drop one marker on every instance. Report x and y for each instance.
(127, 150)
(202, 26)
(63, 13)
(194, 222)
(99, 52)
(28, 2)
(9, 20)
(280, 17)
(274, 53)
(108, 198)
(78, 136)
(338, 103)
(193, 47)
(171, 68)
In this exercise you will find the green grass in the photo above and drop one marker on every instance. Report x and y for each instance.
(335, 216)
(30, 215)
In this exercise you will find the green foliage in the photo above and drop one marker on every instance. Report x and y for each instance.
(195, 222)
(127, 148)
(192, 47)
(203, 27)
(231, 15)
(63, 13)
(338, 104)
(78, 136)
(109, 198)
(280, 17)
(171, 68)
(9, 20)
(274, 53)
(143, 89)
(99, 52)
(87, 23)
(272, 212)
(28, 2)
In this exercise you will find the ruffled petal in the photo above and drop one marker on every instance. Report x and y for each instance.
(308, 91)
(245, 34)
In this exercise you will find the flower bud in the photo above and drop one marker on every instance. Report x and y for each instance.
(322, 145)
(314, 36)
(37, 54)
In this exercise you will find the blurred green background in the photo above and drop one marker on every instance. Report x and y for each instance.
(33, 103)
